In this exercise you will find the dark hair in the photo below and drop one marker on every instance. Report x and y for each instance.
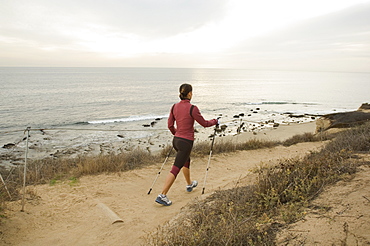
(184, 90)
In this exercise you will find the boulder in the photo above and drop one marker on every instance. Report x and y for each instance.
(345, 119)
(9, 145)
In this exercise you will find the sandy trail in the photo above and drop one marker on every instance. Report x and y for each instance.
(67, 214)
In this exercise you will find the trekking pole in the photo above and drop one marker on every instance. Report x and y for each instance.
(165, 160)
(25, 167)
(209, 159)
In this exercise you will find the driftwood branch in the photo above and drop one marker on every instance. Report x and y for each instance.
(113, 217)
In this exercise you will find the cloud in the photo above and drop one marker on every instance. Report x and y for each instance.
(160, 18)
(114, 27)
(145, 18)
(337, 41)
(184, 33)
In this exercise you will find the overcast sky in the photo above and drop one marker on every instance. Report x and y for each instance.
(324, 35)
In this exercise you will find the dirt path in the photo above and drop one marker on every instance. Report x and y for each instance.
(67, 214)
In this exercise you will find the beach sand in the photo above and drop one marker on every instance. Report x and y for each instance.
(72, 214)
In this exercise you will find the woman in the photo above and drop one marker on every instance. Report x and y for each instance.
(184, 114)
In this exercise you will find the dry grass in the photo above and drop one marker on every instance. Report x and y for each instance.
(49, 170)
(252, 215)
(308, 137)
(203, 148)
(356, 139)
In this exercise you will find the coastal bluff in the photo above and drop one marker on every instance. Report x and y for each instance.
(344, 119)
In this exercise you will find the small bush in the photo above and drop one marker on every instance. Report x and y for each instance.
(307, 137)
(353, 139)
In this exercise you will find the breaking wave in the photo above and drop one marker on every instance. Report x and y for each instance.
(276, 103)
(127, 119)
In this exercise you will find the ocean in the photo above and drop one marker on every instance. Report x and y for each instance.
(124, 99)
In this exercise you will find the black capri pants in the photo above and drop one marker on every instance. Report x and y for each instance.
(183, 147)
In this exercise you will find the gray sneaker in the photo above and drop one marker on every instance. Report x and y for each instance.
(189, 188)
(163, 199)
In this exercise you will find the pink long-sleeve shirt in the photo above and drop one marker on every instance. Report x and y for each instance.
(184, 121)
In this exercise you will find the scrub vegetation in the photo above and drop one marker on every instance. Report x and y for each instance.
(252, 215)
(243, 215)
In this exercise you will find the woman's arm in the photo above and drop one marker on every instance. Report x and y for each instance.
(171, 122)
(199, 118)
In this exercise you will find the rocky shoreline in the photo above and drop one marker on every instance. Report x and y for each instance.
(151, 136)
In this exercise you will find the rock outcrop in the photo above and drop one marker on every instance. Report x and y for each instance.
(365, 107)
(345, 119)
